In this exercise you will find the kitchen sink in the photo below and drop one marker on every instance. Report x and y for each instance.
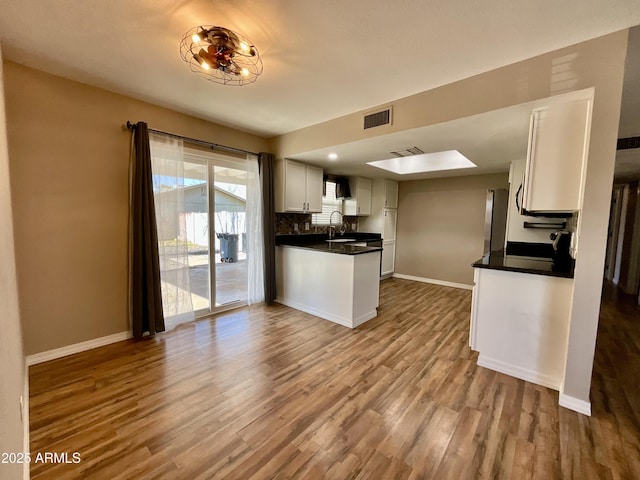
(341, 240)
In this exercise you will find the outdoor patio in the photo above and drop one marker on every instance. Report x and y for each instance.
(231, 280)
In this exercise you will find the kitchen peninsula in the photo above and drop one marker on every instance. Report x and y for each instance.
(335, 279)
(520, 315)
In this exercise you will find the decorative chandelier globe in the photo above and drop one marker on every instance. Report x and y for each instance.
(220, 55)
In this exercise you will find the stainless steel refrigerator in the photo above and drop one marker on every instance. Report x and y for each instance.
(495, 220)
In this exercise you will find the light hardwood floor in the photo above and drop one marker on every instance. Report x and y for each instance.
(270, 392)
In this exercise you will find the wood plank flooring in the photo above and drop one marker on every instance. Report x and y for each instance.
(270, 392)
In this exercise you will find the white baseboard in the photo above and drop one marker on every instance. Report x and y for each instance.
(76, 348)
(364, 318)
(565, 401)
(433, 281)
(519, 372)
(575, 404)
(345, 322)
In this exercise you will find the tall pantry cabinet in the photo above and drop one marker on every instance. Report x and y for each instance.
(383, 219)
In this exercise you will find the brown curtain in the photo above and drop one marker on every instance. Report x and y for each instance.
(145, 293)
(269, 225)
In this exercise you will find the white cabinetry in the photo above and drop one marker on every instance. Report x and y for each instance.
(390, 194)
(298, 187)
(341, 288)
(520, 324)
(360, 201)
(390, 219)
(313, 187)
(383, 219)
(388, 258)
(516, 232)
(383, 193)
(556, 156)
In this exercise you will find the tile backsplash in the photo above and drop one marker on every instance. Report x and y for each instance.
(285, 223)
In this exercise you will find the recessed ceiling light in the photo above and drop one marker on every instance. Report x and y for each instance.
(333, 156)
(427, 162)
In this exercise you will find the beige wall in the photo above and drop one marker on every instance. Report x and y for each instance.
(553, 73)
(12, 370)
(596, 63)
(69, 160)
(440, 230)
(605, 72)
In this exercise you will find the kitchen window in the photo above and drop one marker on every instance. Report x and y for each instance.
(329, 204)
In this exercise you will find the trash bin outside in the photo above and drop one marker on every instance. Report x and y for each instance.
(228, 247)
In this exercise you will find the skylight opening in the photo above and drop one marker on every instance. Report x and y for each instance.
(426, 162)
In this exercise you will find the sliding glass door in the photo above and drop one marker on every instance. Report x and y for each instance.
(216, 230)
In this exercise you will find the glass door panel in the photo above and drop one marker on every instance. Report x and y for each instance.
(196, 222)
(229, 195)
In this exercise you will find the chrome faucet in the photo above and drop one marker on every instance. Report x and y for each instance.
(332, 228)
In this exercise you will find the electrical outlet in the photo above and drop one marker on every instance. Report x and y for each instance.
(295, 227)
(354, 226)
(306, 226)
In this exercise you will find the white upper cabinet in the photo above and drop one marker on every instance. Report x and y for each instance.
(295, 187)
(390, 193)
(557, 156)
(360, 201)
(313, 184)
(298, 187)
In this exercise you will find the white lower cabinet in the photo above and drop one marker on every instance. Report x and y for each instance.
(520, 324)
(343, 289)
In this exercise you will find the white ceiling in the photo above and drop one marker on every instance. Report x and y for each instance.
(322, 59)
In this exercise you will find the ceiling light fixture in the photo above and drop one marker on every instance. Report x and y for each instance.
(221, 55)
(333, 156)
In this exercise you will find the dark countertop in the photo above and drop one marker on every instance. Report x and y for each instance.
(498, 260)
(310, 238)
(319, 242)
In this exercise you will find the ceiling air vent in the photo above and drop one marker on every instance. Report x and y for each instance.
(629, 142)
(377, 119)
(406, 152)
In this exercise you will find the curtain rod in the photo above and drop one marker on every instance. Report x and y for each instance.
(132, 126)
